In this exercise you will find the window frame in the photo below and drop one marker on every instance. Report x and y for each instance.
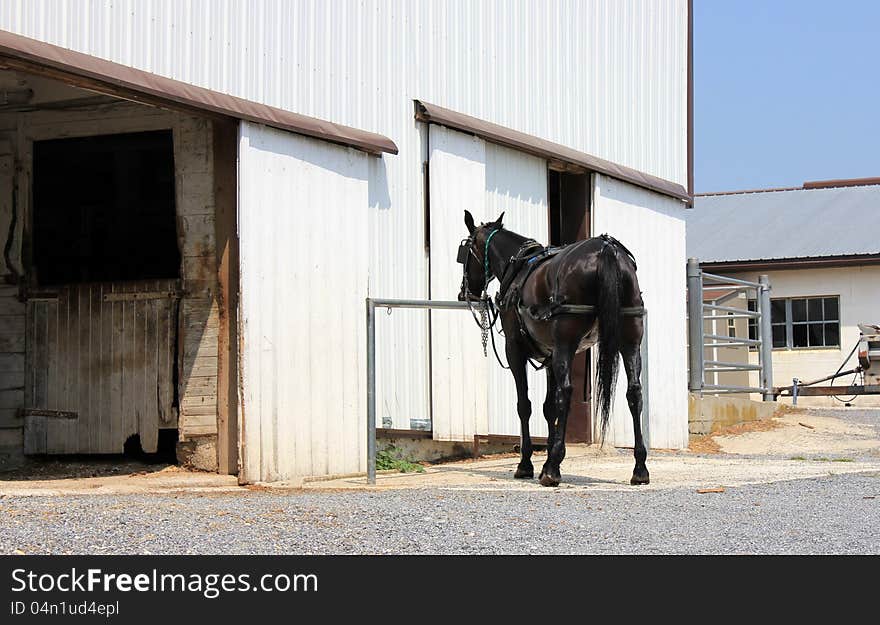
(790, 323)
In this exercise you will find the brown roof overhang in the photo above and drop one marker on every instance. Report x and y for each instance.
(82, 70)
(545, 149)
(779, 264)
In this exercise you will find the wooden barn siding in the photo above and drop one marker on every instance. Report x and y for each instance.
(11, 357)
(198, 318)
(12, 332)
(105, 352)
(199, 314)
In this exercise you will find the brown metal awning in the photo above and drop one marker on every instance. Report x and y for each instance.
(96, 74)
(545, 149)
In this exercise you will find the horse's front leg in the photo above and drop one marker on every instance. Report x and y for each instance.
(517, 361)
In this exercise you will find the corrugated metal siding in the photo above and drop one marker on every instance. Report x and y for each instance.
(302, 202)
(641, 220)
(607, 77)
(399, 268)
(516, 184)
(725, 227)
(458, 368)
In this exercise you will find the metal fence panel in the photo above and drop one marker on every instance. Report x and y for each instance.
(698, 283)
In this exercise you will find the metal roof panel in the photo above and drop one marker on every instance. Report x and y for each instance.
(794, 223)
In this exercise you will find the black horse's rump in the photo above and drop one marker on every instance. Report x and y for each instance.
(553, 303)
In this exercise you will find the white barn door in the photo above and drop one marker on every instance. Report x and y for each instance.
(516, 184)
(457, 163)
(652, 227)
(472, 394)
(303, 226)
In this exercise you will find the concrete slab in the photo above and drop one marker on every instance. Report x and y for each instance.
(801, 444)
(585, 469)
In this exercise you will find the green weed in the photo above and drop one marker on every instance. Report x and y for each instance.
(392, 458)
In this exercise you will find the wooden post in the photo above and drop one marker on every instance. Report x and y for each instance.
(225, 201)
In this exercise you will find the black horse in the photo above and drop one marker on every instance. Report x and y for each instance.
(554, 303)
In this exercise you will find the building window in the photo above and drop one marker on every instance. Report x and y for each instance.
(731, 326)
(802, 322)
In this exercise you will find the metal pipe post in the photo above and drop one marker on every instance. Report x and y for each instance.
(371, 392)
(695, 325)
(766, 339)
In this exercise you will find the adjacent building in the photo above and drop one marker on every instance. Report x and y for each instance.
(818, 245)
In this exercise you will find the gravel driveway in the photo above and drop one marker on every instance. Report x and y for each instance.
(836, 514)
(781, 504)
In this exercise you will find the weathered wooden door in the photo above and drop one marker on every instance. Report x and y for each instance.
(99, 366)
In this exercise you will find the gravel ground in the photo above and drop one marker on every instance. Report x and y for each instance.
(837, 514)
(855, 415)
(830, 514)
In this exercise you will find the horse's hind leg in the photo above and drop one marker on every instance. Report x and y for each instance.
(561, 363)
(549, 415)
(632, 363)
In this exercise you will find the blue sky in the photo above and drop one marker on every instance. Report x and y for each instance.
(785, 91)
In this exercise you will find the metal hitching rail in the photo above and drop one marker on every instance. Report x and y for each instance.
(372, 305)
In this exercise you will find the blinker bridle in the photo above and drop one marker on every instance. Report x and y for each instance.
(465, 251)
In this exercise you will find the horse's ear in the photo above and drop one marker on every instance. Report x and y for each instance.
(469, 221)
(500, 217)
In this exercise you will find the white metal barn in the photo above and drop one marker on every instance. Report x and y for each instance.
(294, 158)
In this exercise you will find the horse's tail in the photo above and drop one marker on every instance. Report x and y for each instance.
(609, 277)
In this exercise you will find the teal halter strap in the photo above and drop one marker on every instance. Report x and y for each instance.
(486, 254)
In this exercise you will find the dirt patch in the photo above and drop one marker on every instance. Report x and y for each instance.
(703, 444)
(107, 475)
(707, 444)
(71, 467)
(807, 433)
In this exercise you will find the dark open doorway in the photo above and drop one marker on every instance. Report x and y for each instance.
(104, 209)
(102, 305)
(569, 205)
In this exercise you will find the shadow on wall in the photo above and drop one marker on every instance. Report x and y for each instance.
(379, 195)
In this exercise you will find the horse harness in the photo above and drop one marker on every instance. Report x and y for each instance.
(520, 266)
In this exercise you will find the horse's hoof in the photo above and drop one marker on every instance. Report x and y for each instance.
(546, 480)
(640, 478)
(543, 471)
(524, 473)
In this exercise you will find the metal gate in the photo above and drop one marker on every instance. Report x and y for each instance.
(99, 366)
(699, 313)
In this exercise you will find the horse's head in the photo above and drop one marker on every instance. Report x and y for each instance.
(472, 255)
